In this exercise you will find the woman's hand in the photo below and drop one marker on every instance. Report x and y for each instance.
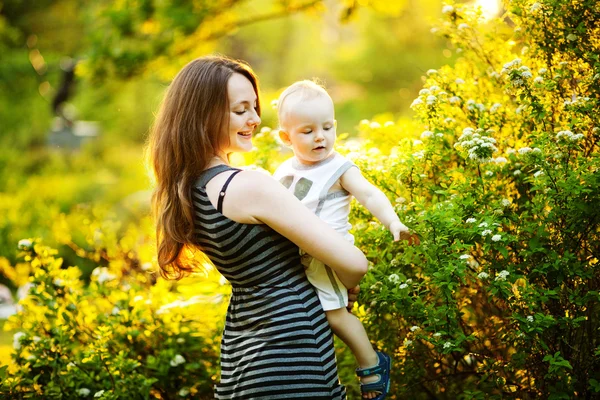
(352, 297)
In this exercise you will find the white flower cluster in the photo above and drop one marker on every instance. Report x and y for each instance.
(177, 360)
(524, 150)
(575, 100)
(495, 107)
(471, 220)
(568, 136)
(534, 7)
(431, 95)
(472, 105)
(483, 275)
(415, 328)
(83, 392)
(394, 278)
(530, 318)
(447, 9)
(24, 244)
(416, 102)
(102, 274)
(17, 339)
(447, 345)
(516, 72)
(502, 275)
(419, 154)
(510, 65)
(478, 145)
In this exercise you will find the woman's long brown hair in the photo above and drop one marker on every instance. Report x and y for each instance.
(190, 128)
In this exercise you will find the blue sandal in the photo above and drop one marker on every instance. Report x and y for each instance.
(382, 386)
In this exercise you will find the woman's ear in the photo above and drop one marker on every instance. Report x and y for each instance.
(285, 137)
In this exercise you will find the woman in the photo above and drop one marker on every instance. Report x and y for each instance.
(276, 343)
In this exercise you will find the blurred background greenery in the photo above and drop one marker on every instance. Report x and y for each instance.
(87, 196)
(371, 55)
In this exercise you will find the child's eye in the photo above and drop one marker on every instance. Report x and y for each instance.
(240, 112)
(327, 128)
(308, 131)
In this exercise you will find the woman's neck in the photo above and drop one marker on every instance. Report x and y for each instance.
(218, 160)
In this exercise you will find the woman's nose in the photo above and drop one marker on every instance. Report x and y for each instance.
(254, 120)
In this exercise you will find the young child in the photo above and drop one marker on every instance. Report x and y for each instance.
(325, 182)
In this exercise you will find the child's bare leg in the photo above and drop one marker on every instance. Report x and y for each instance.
(351, 331)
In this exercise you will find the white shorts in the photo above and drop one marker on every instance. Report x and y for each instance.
(331, 291)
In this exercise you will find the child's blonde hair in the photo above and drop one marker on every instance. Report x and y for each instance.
(306, 89)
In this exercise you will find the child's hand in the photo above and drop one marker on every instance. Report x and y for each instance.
(401, 232)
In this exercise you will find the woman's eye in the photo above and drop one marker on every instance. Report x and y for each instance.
(240, 112)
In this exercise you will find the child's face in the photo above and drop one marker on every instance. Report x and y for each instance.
(309, 127)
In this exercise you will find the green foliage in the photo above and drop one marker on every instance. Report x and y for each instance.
(122, 336)
(502, 296)
(501, 299)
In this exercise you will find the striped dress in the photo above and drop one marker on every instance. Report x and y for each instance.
(277, 343)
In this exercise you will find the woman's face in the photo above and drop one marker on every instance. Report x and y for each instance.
(243, 118)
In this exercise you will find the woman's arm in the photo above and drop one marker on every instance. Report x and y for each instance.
(258, 198)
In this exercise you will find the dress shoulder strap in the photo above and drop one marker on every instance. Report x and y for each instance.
(206, 175)
(224, 190)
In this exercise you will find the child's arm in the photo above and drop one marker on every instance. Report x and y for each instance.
(377, 203)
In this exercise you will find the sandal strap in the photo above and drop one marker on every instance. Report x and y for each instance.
(376, 370)
(378, 386)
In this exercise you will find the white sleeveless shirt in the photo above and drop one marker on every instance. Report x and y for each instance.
(311, 185)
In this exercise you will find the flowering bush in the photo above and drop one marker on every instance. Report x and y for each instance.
(502, 297)
(122, 336)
